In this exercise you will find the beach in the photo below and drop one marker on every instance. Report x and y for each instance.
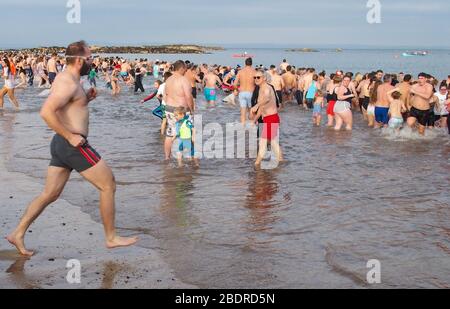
(341, 200)
(65, 233)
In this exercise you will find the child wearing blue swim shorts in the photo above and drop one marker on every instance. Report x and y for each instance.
(317, 109)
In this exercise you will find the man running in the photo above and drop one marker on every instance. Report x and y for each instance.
(421, 93)
(382, 104)
(245, 82)
(178, 93)
(66, 112)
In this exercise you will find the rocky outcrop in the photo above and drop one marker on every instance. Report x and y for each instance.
(303, 50)
(158, 49)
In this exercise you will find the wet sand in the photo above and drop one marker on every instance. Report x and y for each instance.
(63, 233)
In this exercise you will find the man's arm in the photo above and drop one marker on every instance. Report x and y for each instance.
(427, 94)
(60, 96)
(263, 99)
(187, 90)
(389, 95)
(237, 80)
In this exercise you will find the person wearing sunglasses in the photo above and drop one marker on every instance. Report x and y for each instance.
(267, 108)
(66, 112)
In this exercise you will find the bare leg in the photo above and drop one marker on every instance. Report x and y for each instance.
(347, 116)
(364, 112)
(421, 129)
(277, 150)
(262, 151)
(339, 121)
(243, 115)
(330, 121)
(168, 147)
(180, 159)
(2, 95)
(411, 122)
(13, 99)
(102, 178)
(56, 180)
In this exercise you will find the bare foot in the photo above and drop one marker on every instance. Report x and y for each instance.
(19, 244)
(121, 242)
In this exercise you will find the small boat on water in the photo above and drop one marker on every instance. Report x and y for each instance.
(415, 53)
(244, 55)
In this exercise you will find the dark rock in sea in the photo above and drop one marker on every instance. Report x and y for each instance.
(146, 49)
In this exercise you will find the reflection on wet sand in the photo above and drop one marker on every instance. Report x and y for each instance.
(17, 270)
(262, 188)
(7, 129)
(175, 195)
(110, 271)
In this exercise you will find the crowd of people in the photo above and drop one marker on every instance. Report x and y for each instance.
(384, 100)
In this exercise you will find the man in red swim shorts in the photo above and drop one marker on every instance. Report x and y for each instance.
(267, 108)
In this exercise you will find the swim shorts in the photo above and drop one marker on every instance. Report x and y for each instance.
(51, 77)
(185, 145)
(422, 116)
(271, 125)
(341, 106)
(210, 94)
(395, 123)
(317, 110)
(382, 114)
(245, 99)
(66, 156)
(330, 108)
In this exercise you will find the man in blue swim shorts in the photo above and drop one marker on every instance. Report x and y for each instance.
(245, 82)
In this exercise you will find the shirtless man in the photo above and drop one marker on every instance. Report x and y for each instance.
(51, 68)
(245, 82)
(267, 108)
(277, 82)
(404, 88)
(192, 76)
(290, 84)
(178, 93)
(382, 104)
(125, 70)
(421, 93)
(66, 112)
(210, 82)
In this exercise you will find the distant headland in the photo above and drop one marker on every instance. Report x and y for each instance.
(145, 49)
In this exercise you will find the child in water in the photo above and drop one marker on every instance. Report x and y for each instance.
(396, 108)
(185, 136)
(318, 106)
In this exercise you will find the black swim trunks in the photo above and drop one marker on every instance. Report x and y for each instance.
(194, 92)
(66, 156)
(422, 116)
(365, 103)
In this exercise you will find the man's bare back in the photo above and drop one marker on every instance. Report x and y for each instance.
(211, 80)
(383, 90)
(289, 81)
(178, 92)
(246, 79)
(277, 82)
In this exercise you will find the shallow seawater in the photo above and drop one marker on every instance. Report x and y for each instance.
(340, 200)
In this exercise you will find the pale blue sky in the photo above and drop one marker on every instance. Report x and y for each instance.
(313, 23)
